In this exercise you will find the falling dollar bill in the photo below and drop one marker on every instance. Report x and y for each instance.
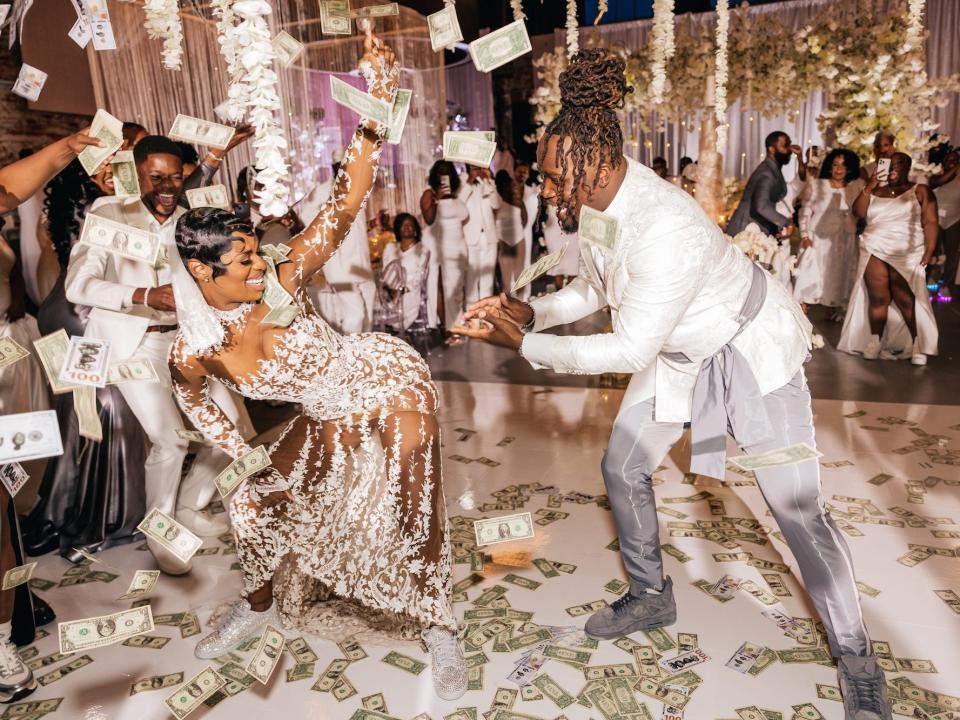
(286, 48)
(444, 27)
(142, 583)
(28, 436)
(242, 468)
(123, 240)
(131, 370)
(360, 102)
(215, 196)
(126, 183)
(86, 362)
(468, 148)
(85, 407)
(29, 82)
(598, 228)
(192, 436)
(398, 116)
(189, 697)
(335, 17)
(544, 264)
(374, 11)
(267, 655)
(278, 253)
(503, 529)
(103, 630)
(170, 534)
(157, 682)
(282, 315)
(500, 47)
(18, 575)
(11, 352)
(13, 477)
(201, 132)
(777, 458)
(106, 128)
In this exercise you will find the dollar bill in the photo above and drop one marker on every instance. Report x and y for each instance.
(335, 17)
(668, 696)
(586, 608)
(215, 196)
(608, 672)
(329, 677)
(126, 183)
(147, 642)
(52, 351)
(282, 315)
(86, 362)
(675, 553)
(13, 477)
(681, 662)
(123, 240)
(468, 148)
(157, 682)
(286, 48)
(189, 697)
(568, 655)
(500, 47)
(85, 406)
(444, 27)
(522, 582)
(242, 468)
(64, 670)
(351, 650)
(32, 709)
(11, 352)
(131, 370)
(777, 458)
(546, 567)
(29, 83)
(28, 436)
(301, 671)
(142, 583)
(599, 229)
(267, 655)
(343, 689)
(201, 132)
(491, 531)
(362, 103)
(804, 655)
(103, 630)
(745, 657)
(405, 663)
(106, 128)
(278, 253)
(543, 264)
(375, 11)
(170, 534)
(951, 598)
(398, 116)
(18, 575)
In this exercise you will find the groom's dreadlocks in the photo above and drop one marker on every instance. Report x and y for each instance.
(591, 89)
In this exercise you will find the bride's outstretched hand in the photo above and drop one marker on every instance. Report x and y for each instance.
(380, 69)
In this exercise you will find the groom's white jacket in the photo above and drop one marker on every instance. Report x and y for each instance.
(673, 284)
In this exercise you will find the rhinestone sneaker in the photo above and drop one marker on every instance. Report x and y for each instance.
(16, 679)
(448, 666)
(864, 689)
(241, 624)
(631, 613)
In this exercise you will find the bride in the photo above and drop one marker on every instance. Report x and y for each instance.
(354, 492)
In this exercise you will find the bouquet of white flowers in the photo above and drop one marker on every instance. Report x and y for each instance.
(756, 245)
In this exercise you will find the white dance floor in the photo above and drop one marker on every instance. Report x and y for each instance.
(558, 437)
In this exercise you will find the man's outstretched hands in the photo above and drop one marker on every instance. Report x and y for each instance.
(500, 319)
(519, 312)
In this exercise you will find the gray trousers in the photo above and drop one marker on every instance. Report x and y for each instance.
(637, 445)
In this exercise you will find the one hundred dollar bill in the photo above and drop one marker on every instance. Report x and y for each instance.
(131, 370)
(335, 17)
(544, 264)
(215, 196)
(123, 240)
(503, 529)
(267, 655)
(777, 458)
(598, 228)
(468, 148)
(242, 468)
(398, 116)
(28, 436)
(286, 48)
(13, 477)
(142, 583)
(11, 352)
(170, 534)
(107, 129)
(126, 183)
(103, 630)
(500, 47)
(362, 103)
(201, 132)
(444, 27)
(157, 682)
(86, 362)
(189, 697)
(18, 575)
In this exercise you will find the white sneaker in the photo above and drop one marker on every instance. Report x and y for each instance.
(917, 357)
(242, 623)
(448, 666)
(202, 524)
(872, 350)
(16, 679)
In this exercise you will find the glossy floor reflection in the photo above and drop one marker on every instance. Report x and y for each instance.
(559, 435)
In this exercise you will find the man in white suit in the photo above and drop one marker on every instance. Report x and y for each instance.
(134, 308)
(708, 337)
(479, 193)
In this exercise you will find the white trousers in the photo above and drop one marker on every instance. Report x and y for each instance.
(348, 308)
(481, 262)
(453, 274)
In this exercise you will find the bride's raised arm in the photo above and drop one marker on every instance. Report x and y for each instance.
(354, 181)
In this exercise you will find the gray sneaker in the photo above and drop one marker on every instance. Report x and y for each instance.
(631, 613)
(864, 688)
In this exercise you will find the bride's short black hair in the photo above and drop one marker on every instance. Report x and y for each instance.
(205, 234)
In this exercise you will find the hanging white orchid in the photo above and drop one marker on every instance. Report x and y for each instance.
(721, 74)
(915, 22)
(663, 47)
(163, 23)
(517, 7)
(573, 29)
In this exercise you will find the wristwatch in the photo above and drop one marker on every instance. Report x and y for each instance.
(528, 326)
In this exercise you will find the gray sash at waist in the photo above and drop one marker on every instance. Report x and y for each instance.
(726, 395)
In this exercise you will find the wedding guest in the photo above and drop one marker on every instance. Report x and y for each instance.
(132, 134)
(445, 215)
(946, 187)
(479, 194)
(828, 232)
(511, 219)
(411, 272)
(895, 248)
(884, 146)
(191, 160)
(533, 228)
(28, 216)
(660, 167)
(383, 235)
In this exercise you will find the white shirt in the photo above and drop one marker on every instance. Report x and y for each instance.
(351, 262)
(948, 203)
(482, 200)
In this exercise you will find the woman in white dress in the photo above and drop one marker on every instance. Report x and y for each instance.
(895, 249)
(828, 230)
(419, 280)
(511, 219)
(445, 214)
(946, 187)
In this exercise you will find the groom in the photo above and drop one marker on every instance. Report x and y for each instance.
(707, 337)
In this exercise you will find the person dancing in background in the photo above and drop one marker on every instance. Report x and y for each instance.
(354, 493)
(709, 337)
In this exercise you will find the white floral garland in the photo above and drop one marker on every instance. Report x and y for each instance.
(602, 7)
(663, 47)
(163, 22)
(234, 107)
(915, 22)
(517, 7)
(573, 29)
(721, 73)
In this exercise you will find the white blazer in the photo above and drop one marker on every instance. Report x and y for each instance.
(106, 282)
(673, 284)
(482, 201)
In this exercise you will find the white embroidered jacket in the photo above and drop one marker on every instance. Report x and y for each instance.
(673, 284)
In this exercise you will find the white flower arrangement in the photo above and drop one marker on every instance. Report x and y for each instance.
(546, 97)
(573, 29)
(722, 74)
(517, 7)
(664, 46)
(163, 23)
(756, 244)
(915, 22)
(234, 107)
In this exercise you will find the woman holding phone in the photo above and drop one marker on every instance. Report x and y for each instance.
(445, 215)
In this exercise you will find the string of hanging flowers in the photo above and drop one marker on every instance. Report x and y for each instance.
(663, 47)
(163, 23)
(573, 29)
(517, 7)
(915, 22)
(720, 89)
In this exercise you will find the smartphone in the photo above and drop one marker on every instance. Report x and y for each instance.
(445, 184)
(883, 170)
(814, 153)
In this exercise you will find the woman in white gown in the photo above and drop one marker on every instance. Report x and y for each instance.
(445, 215)
(895, 249)
(511, 218)
(828, 229)
(420, 278)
